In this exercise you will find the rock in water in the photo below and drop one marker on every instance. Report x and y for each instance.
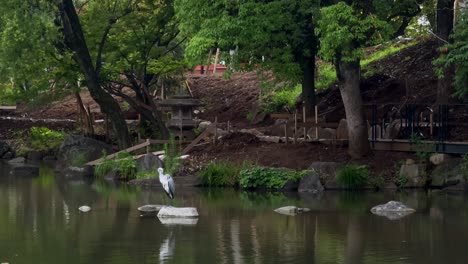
(84, 208)
(291, 210)
(150, 208)
(178, 212)
(392, 210)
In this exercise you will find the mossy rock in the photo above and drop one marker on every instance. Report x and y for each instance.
(447, 174)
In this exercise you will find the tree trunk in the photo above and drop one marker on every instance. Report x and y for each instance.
(308, 85)
(75, 41)
(444, 26)
(349, 80)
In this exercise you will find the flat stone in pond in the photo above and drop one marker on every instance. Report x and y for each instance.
(392, 210)
(291, 210)
(178, 212)
(150, 208)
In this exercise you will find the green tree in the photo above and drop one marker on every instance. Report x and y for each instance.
(278, 35)
(457, 56)
(108, 44)
(345, 28)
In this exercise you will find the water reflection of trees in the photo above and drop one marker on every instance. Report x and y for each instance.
(42, 221)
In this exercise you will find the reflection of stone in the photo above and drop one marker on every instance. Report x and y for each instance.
(150, 208)
(291, 210)
(178, 221)
(392, 210)
(178, 212)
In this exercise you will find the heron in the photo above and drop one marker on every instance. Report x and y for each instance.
(167, 183)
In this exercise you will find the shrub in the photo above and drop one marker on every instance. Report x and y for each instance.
(352, 176)
(123, 164)
(220, 174)
(270, 178)
(43, 138)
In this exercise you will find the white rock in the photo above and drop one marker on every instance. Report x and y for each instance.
(392, 210)
(178, 212)
(84, 208)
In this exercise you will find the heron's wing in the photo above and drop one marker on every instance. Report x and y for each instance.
(171, 185)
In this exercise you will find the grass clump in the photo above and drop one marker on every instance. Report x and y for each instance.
(172, 159)
(270, 178)
(279, 99)
(220, 174)
(353, 176)
(123, 164)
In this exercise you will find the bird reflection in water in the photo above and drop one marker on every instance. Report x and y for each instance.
(167, 248)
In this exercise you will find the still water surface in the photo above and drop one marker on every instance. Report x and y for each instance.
(40, 223)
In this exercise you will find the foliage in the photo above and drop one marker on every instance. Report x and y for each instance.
(388, 50)
(269, 178)
(277, 100)
(123, 164)
(147, 174)
(277, 36)
(80, 159)
(42, 139)
(423, 150)
(326, 75)
(457, 56)
(377, 181)
(353, 176)
(344, 31)
(464, 166)
(220, 173)
(401, 180)
(172, 159)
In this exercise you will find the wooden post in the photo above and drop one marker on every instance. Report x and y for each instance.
(316, 122)
(304, 120)
(431, 120)
(216, 60)
(139, 124)
(215, 130)
(295, 127)
(107, 130)
(286, 133)
(209, 62)
(148, 146)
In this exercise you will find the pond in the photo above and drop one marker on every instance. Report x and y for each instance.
(41, 223)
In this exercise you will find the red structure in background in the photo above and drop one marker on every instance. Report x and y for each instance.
(219, 69)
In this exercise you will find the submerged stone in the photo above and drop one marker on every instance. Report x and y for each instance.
(178, 221)
(393, 210)
(84, 208)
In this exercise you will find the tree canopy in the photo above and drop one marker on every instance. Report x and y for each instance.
(274, 35)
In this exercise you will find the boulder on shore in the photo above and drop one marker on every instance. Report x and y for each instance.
(149, 162)
(75, 146)
(311, 183)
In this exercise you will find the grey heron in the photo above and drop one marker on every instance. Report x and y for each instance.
(167, 183)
